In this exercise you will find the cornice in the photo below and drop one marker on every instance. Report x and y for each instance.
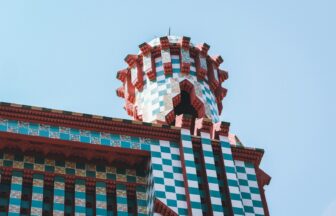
(113, 125)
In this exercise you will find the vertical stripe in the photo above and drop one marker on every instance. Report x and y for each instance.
(141, 200)
(59, 193)
(211, 175)
(37, 195)
(101, 198)
(80, 197)
(15, 194)
(231, 176)
(249, 188)
(190, 173)
(122, 207)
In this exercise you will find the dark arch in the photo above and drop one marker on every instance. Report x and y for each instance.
(190, 104)
(185, 106)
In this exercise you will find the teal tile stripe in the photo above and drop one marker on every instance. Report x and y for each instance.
(211, 174)
(190, 166)
(37, 195)
(80, 197)
(15, 194)
(231, 175)
(141, 200)
(73, 134)
(59, 196)
(101, 198)
(121, 192)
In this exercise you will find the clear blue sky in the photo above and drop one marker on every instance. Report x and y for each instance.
(280, 55)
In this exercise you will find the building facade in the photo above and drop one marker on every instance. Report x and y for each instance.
(174, 158)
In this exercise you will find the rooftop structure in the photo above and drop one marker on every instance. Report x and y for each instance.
(174, 158)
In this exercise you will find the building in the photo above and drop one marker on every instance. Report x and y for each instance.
(175, 158)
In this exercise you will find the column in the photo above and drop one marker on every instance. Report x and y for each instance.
(101, 198)
(59, 193)
(231, 175)
(122, 208)
(188, 160)
(15, 194)
(37, 195)
(141, 200)
(211, 174)
(80, 204)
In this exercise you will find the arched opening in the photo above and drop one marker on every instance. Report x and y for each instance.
(185, 107)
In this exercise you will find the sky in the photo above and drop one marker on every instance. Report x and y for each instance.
(280, 56)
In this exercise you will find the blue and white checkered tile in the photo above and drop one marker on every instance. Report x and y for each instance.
(64, 133)
(192, 68)
(15, 194)
(154, 102)
(37, 195)
(59, 196)
(209, 102)
(101, 198)
(231, 175)
(211, 174)
(249, 189)
(191, 174)
(175, 64)
(80, 207)
(168, 177)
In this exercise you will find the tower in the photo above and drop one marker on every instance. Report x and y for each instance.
(174, 82)
(174, 158)
(171, 76)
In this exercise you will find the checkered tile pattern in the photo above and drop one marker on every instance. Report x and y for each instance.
(168, 177)
(165, 179)
(15, 194)
(59, 196)
(201, 182)
(192, 68)
(176, 65)
(37, 195)
(80, 197)
(101, 199)
(249, 189)
(147, 101)
(210, 168)
(230, 169)
(73, 134)
(122, 208)
(71, 168)
(191, 175)
(141, 200)
(222, 184)
(154, 102)
(210, 103)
